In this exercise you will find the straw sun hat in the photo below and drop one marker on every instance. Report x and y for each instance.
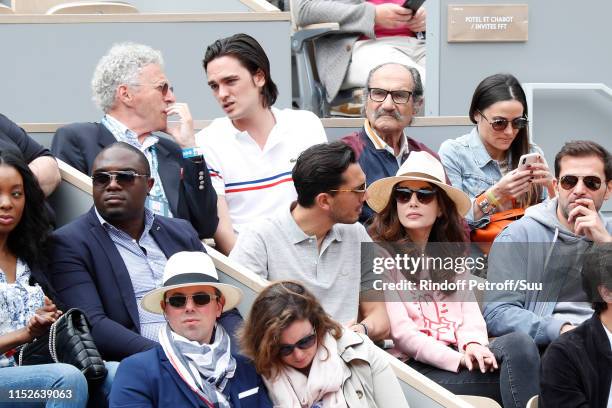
(421, 166)
(185, 269)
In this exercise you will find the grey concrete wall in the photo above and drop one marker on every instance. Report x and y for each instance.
(47, 76)
(567, 43)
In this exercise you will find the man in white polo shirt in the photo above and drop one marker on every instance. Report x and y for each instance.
(250, 152)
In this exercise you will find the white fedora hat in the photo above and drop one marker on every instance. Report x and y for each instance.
(421, 166)
(185, 269)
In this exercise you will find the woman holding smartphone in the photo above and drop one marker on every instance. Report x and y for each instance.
(441, 332)
(485, 162)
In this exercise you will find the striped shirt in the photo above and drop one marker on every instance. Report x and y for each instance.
(256, 182)
(145, 262)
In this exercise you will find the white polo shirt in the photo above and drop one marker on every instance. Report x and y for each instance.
(254, 181)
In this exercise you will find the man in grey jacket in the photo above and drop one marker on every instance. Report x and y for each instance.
(546, 248)
(370, 33)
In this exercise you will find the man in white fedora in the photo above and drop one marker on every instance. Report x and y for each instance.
(193, 365)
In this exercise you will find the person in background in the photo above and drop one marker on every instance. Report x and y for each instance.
(441, 333)
(251, 151)
(129, 85)
(393, 95)
(485, 162)
(27, 307)
(370, 32)
(309, 360)
(577, 367)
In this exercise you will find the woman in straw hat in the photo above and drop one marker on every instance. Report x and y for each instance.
(439, 328)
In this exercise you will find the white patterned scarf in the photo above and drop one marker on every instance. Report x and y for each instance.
(205, 368)
(322, 387)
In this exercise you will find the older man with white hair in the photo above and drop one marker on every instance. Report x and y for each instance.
(130, 87)
(193, 365)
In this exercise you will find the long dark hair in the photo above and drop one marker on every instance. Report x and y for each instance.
(275, 309)
(27, 240)
(447, 228)
(505, 87)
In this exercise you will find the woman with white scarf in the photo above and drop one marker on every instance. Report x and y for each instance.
(307, 360)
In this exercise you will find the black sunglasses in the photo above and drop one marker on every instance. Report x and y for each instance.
(501, 123)
(399, 97)
(200, 299)
(404, 194)
(303, 344)
(568, 182)
(123, 177)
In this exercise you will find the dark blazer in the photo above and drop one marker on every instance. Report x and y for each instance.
(149, 380)
(576, 369)
(186, 183)
(88, 272)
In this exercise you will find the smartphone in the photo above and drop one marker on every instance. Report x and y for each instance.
(526, 159)
(413, 5)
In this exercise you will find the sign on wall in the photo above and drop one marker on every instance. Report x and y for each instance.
(487, 23)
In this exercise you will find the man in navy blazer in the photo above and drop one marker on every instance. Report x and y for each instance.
(193, 366)
(130, 86)
(105, 260)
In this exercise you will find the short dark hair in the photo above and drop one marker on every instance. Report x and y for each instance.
(142, 159)
(28, 240)
(584, 148)
(319, 169)
(596, 271)
(251, 55)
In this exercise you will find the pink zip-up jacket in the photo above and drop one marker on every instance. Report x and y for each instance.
(431, 326)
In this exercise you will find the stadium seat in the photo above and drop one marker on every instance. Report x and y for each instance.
(93, 7)
(480, 402)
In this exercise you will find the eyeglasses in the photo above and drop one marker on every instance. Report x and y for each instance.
(163, 88)
(199, 299)
(568, 182)
(399, 97)
(303, 344)
(404, 195)
(358, 190)
(501, 123)
(123, 177)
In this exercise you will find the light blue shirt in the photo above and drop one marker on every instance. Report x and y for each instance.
(145, 263)
(470, 167)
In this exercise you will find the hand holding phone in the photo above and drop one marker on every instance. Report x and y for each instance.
(528, 159)
(413, 5)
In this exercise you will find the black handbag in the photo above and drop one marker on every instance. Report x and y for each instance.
(68, 341)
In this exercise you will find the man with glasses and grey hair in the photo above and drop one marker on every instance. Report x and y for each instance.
(130, 87)
(392, 96)
(547, 246)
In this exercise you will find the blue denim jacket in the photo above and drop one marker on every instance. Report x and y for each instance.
(471, 169)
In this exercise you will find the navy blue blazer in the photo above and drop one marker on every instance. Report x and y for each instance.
(78, 144)
(149, 380)
(87, 271)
